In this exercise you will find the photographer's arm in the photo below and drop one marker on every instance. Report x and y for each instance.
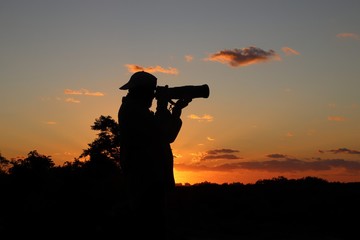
(169, 121)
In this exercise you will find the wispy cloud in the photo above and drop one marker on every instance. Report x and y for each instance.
(210, 139)
(223, 150)
(83, 92)
(70, 154)
(189, 58)
(287, 165)
(50, 123)
(243, 57)
(135, 68)
(219, 156)
(72, 100)
(205, 117)
(289, 134)
(336, 118)
(348, 35)
(341, 150)
(289, 51)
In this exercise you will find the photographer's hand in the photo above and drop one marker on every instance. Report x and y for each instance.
(179, 105)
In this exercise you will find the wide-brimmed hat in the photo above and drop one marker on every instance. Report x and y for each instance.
(140, 79)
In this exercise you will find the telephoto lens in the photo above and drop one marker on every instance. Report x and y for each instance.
(183, 92)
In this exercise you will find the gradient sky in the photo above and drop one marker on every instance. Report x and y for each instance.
(283, 77)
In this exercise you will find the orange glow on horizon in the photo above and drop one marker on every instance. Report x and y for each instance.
(251, 177)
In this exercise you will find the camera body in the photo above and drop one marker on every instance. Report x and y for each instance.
(182, 92)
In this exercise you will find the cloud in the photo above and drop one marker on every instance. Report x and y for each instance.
(348, 35)
(289, 134)
(224, 150)
(243, 57)
(83, 92)
(210, 139)
(289, 51)
(341, 150)
(219, 154)
(50, 123)
(70, 154)
(295, 165)
(205, 117)
(189, 58)
(72, 92)
(281, 166)
(177, 155)
(135, 68)
(72, 100)
(276, 155)
(336, 118)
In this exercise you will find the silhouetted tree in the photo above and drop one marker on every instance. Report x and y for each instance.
(274, 180)
(105, 146)
(73, 166)
(35, 164)
(313, 180)
(71, 170)
(4, 165)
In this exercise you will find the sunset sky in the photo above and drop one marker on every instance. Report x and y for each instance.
(284, 80)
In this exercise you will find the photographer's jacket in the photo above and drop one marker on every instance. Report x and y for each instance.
(145, 137)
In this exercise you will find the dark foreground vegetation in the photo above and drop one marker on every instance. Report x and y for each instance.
(86, 199)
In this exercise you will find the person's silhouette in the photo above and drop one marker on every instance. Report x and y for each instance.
(145, 153)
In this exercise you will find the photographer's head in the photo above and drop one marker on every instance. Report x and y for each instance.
(141, 86)
(141, 79)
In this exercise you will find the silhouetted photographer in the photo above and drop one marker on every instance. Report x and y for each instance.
(145, 153)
